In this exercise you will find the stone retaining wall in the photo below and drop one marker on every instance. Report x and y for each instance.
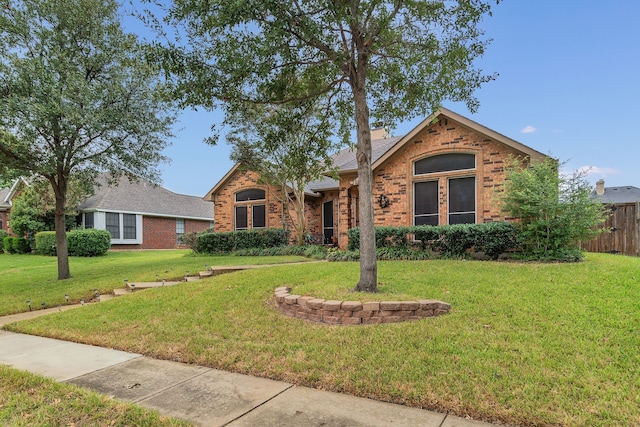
(355, 312)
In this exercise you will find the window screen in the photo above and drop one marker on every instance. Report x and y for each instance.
(129, 226)
(462, 201)
(445, 163)
(426, 203)
(241, 218)
(88, 220)
(113, 224)
(259, 216)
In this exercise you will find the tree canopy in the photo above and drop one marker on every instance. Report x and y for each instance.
(289, 145)
(374, 60)
(76, 98)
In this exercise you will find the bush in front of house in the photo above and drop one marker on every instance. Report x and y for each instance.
(46, 243)
(231, 241)
(88, 243)
(16, 245)
(451, 241)
(3, 234)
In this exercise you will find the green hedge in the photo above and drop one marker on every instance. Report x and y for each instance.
(16, 245)
(246, 239)
(89, 242)
(3, 234)
(493, 238)
(46, 243)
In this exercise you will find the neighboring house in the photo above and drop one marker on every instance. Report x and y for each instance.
(623, 230)
(6, 202)
(447, 170)
(140, 215)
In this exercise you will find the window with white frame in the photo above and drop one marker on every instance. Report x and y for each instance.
(112, 221)
(179, 229)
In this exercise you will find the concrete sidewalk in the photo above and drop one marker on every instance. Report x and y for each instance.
(202, 395)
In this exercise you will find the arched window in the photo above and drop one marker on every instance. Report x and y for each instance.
(452, 181)
(250, 194)
(445, 163)
(257, 211)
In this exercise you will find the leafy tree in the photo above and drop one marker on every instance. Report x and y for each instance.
(555, 211)
(76, 98)
(33, 209)
(289, 146)
(375, 61)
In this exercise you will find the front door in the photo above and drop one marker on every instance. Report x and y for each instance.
(327, 222)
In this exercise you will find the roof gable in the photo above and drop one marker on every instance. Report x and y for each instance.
(489, 133)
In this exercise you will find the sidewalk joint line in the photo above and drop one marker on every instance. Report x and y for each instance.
(257, 406)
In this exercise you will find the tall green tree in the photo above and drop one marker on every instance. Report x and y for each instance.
(289, 145)
(76, 98)
(375, 60)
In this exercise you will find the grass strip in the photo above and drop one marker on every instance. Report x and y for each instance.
(31, 400)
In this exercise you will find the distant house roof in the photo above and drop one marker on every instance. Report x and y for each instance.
(146, 198)
(6, 194)
(625, 194)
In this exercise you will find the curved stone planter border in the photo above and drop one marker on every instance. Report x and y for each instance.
(355, 312)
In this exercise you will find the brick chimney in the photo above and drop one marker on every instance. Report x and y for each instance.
(600, 187)
(379, 133)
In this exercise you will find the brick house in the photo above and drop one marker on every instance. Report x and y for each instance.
(140, 215)
(447, 170)
(6, 202)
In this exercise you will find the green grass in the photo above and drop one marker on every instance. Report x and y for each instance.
(34, 277)
(528, 344)
(31, 400)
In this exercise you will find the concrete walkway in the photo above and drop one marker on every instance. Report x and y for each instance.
(202, 395)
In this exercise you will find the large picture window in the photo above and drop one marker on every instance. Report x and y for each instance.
(445, 163)
(245, 209)
(462, 200)
(425, 204)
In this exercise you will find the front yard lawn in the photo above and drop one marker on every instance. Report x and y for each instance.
(527, 344)
(34, 277)
(31, 400)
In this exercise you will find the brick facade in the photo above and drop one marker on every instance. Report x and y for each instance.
(393, 177)
(160, 233)
(4, 220)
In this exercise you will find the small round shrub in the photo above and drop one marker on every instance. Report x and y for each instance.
(88, 243)
(3, 234)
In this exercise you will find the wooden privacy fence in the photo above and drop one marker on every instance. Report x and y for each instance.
(622, 235)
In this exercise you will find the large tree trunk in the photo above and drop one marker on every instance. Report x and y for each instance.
(61, 236)
(368, 267)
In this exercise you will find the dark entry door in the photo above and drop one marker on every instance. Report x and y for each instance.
(327, 222)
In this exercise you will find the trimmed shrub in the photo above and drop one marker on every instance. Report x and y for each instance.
(496, 238)
(88, 243)
(16, 245)
(237, 240)
(46, 243)
(454, 241)
(3, 234)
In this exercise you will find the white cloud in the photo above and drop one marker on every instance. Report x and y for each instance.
(598, 171)
(528, 129)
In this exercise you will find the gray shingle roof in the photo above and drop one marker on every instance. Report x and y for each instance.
(146, 198)
(346, 159)
(4, 192)
(626, 194)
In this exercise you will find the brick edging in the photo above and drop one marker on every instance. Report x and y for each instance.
(355, 312)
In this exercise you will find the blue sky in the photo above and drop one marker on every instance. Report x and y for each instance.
(568, 86)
